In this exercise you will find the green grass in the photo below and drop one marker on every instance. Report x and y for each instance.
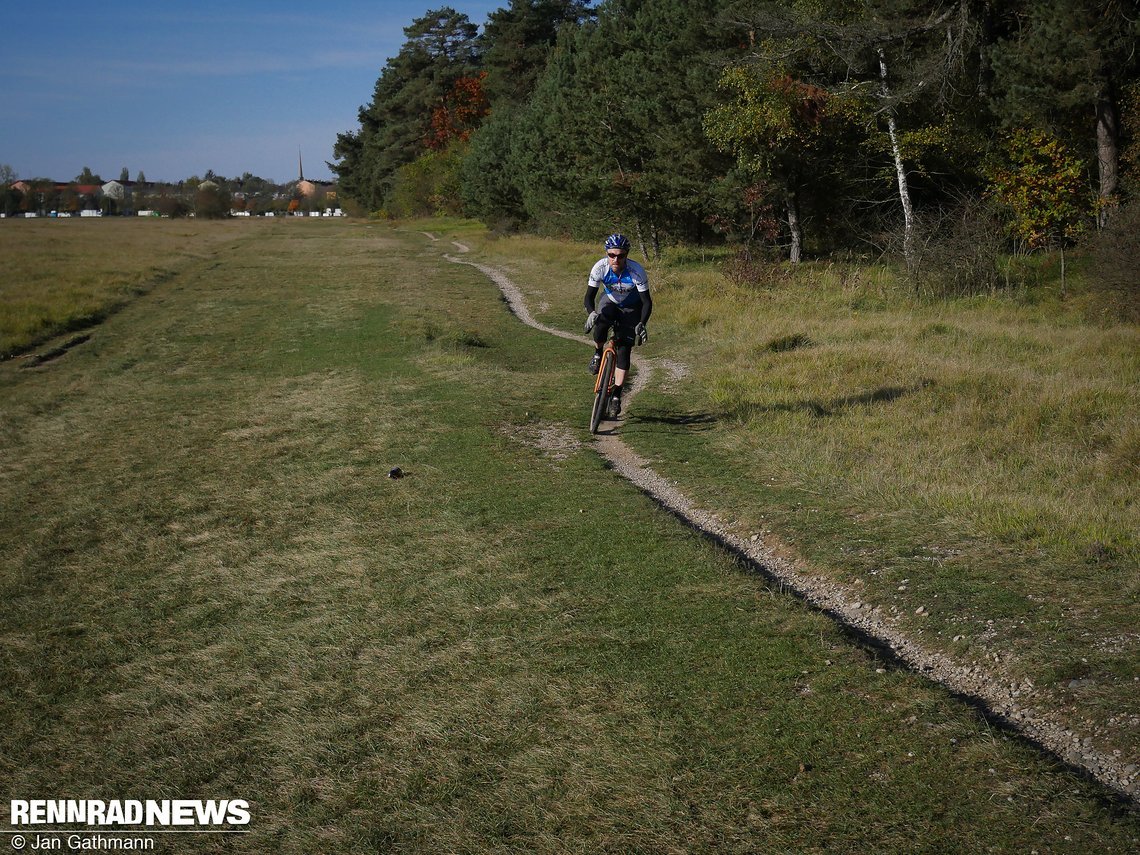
(984, 453)
(214, 590)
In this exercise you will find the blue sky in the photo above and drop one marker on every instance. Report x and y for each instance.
(175, 89)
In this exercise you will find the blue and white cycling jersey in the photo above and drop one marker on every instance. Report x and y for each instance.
(625, 290)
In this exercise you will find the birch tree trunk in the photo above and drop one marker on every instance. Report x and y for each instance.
(900, 169)
(794, 226)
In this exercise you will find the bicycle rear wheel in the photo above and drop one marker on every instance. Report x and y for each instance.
(601, 395)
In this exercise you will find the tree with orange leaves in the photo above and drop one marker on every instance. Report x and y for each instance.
(459, 114)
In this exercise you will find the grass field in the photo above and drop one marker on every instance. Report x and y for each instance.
(978, 459)
(61, 276)
(214, 590)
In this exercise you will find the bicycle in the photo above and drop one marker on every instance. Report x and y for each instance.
(604, 384)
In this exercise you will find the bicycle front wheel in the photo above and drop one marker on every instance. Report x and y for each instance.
(601, 395)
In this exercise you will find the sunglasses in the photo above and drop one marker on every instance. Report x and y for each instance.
(616, 254)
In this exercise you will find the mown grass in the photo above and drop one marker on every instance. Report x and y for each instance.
(978, 458)
(214, 590)
(64, 275)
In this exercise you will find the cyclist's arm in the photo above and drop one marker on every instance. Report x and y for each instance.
(591, 296)
(646, 306)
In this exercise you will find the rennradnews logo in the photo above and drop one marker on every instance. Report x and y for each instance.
(136, 812)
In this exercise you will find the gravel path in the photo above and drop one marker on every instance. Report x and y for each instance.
(1010, 704)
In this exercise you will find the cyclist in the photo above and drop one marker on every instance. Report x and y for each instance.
(625, 305)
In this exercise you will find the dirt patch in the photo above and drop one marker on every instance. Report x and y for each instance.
(674, 372)
(553, 441)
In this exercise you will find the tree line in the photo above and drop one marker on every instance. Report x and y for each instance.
(789, 127)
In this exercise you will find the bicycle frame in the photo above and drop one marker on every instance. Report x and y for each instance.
(603, 385)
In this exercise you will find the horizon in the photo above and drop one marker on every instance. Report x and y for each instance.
(100, 179)
(182, 91)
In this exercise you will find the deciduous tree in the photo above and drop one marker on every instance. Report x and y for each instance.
(1041, 183)
(771, 123)
(88, 177)
(211, 200)
(900, 68)
(460, 113)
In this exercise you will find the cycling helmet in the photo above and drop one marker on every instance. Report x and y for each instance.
(617, 242)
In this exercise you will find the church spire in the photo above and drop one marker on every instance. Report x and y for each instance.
(300, 165)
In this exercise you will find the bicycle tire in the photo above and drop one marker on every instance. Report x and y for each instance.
(605, 379)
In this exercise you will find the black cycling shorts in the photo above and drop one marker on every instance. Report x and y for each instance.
(625, 323)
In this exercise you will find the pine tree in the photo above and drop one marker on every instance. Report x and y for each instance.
(396, 127)
(518, 41)
(488, 184)
(611, 137)
(1065, 68)
(548, 161)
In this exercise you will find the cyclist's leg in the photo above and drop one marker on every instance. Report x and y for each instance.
(624, 337)
(623, 343)
(608, 315)
(599, 332)
(623, 360)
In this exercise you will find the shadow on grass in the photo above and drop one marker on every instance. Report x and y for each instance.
(699, 420)
(823, 409)
(817, 408)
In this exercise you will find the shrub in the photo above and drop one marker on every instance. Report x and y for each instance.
(1040, 183)
(1115, 260)
(428, 186)
(959, 256)
(752, 266)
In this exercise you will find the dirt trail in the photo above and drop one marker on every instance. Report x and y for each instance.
(1010, 704)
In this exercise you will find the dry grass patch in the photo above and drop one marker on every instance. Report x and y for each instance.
(62, 275)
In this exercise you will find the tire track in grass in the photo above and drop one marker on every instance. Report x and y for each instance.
(1000, 702)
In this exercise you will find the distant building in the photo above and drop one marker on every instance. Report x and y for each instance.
(42, 197)
(309, 189)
